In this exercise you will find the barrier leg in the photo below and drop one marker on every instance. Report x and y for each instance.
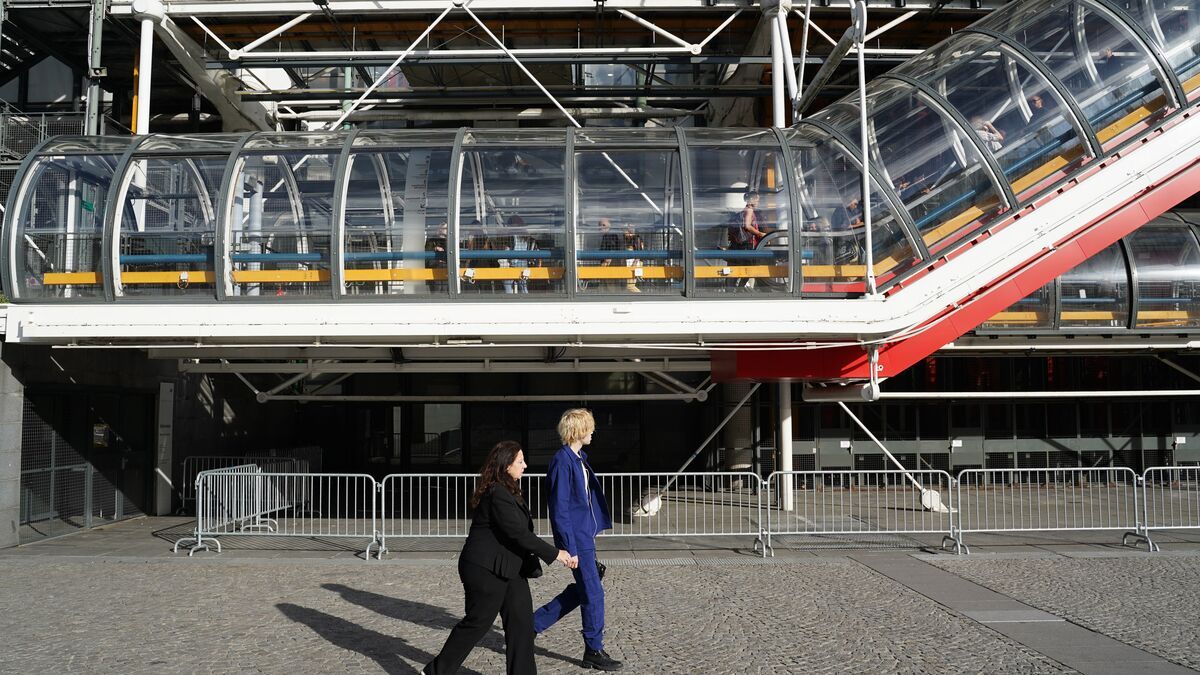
(1144, 536)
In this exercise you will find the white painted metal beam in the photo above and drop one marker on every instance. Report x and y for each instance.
(648, 366)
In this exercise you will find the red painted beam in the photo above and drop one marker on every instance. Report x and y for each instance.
(838, 363)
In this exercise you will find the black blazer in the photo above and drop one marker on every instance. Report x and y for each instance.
(502, 535)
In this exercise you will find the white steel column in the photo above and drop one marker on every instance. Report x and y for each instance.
(164, 487)
(777, 66)
(149, 12)
(787, 500)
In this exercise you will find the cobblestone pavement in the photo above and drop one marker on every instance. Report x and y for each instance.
(225, 614)
(1151, 601)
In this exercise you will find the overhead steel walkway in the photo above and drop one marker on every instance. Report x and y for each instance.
(1000, 158)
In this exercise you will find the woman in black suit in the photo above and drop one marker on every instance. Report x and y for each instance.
(500, 556)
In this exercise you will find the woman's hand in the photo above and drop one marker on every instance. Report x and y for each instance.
(568, 560)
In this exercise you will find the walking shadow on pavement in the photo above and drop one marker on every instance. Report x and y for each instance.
(385, 650)
(423, 614)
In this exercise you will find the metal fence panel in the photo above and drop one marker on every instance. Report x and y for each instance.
(1027, 500)
(244, 499)
(708, 504)
(1172, 498)
(193, 466)
(856, 502)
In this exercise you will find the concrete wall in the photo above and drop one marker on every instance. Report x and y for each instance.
(12, 401)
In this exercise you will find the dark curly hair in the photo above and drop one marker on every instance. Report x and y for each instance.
(495, 470)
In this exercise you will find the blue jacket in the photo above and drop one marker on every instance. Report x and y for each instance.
(576, 515)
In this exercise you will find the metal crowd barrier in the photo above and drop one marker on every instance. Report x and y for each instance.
(856, 502)
(192, 466)
(1039, 500)
(708, 504)
(1171, 500)
(437, 505)
(245, 500)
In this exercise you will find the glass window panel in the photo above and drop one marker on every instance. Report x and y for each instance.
(1168, 269)
(1175, 28)
(98, 144)
(1096, 293)
(511, 221)
(167, 227)
(1030, 420)
(833, 242)
(206, 143)
(1061, 420)
(396, 232)
(737, 137)
(60, 226)
(928, 159)
(741, 211)
(280, 224)
(1013, 109)
(629, 232)
(557, 137)
(291, 140)
(1103, 66)
(404, 137)
(1032, 311)
(628, 136)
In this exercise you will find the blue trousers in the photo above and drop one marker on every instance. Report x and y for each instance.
(587, 593)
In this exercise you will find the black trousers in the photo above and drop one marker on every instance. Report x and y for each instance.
(487, 596)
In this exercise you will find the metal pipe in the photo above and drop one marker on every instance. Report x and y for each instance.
(379, 80)
(500, 43)
(784, 446)
(144, 69)
(860, 29)
(803, 62)
(467, 53)
(789, 71)
(777, 67)
(706, 441)
(263, 397)
(234, 53)
(329, 366)
(1116, 393)
(695, 49)
(95, 65)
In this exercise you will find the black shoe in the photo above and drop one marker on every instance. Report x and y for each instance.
(600, 660)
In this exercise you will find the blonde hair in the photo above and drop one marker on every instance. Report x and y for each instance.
(575, 425)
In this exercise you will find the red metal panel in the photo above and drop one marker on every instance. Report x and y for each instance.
(851, 362)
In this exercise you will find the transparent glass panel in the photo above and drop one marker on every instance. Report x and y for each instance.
(1096, 293)
(168, 225)
(280, 224)
(739, 197)
(1031, 312)
(833, 242)
(1104, 67)
(1175, 28)
(60, 226)
(933, 166)
(634, 136)
(291, 140)
(1012, 108)
(1167, 261)
(629, 229)
(405, 137)
(738, 137)
(518, 136)
(97, 144)
(511, 221)
(206, 143)
(396, 239)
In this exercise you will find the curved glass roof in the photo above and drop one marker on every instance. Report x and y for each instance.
(977, 126)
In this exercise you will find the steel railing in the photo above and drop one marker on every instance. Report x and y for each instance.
(193, 466)
(1029, 500)
(1171, 500)
(246, 499)
(856, 502)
